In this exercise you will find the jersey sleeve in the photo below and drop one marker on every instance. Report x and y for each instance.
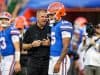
(14, 34)
(14, 31)
(66, 29)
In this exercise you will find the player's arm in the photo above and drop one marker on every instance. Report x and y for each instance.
(15, 40)
(17, 48)
(16, 43)
(65, 42)
(66, 32)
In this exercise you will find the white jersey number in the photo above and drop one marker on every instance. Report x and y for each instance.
(2, 43)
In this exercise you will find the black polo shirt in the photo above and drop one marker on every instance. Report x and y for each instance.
(35, 33)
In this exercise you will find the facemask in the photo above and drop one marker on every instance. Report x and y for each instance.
(4, 25)
(51, 23)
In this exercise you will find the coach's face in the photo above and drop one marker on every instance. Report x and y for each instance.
(42, 18)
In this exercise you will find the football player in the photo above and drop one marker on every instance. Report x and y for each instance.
(9, 46)
(61, 33)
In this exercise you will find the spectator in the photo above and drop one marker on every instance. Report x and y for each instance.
(81, 52)
(3, 6)
(92, 53)
(32, 21)
(14, 6)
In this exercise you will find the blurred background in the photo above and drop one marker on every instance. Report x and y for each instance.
(74, 8)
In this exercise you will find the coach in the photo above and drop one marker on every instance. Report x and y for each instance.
(36, 41)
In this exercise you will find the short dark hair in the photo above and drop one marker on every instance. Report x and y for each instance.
(40, 10)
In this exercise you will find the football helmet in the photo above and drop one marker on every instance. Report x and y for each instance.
(81, 21)
(20, 22)
(5, 19)
(56, 8)
(5, 15)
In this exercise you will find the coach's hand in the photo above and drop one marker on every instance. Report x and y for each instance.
(17, 67)
(45, 42)
(36, 43)
(57, 67)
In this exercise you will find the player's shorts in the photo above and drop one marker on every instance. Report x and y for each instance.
(64, 66)
(7, 65)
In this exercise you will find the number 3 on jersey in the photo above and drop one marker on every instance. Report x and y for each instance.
(2, 43)
(53, 39)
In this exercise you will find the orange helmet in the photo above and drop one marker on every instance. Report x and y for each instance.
(57, 8)
(81, 21)
(20, 22)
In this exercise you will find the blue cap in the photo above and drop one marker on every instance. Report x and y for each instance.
(33, 19)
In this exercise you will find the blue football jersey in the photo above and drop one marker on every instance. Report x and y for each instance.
(57, 33)
(6, 44)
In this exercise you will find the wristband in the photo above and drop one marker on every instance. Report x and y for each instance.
(17, 56)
